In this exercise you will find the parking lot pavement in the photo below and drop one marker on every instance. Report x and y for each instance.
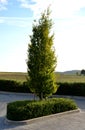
(74, 121)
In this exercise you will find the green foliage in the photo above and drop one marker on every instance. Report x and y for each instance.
(23, 110)
(76, 89)
(13, 86)
(83, 72)
(41, 58)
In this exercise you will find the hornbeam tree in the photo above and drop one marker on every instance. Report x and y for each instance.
(41, 61)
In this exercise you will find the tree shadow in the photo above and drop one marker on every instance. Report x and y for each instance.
(6, 125)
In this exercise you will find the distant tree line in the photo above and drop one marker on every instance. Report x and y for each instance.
(82, 72)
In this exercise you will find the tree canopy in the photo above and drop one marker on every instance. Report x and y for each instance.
(41, 61)
(82, 72)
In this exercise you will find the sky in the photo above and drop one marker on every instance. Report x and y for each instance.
(16, 19)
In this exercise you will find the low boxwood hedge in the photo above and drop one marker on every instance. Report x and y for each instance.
(23, 110)
(14, 86)
(76, 89)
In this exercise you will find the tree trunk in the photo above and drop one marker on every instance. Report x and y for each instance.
(41, 96)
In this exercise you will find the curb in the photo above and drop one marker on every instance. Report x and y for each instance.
(13, 93)
(35, 120)
(67, 96)
(31, 94)
(19, 94)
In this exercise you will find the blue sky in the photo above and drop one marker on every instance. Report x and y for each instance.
(16, 18)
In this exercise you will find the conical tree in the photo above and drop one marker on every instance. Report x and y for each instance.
(41, 61)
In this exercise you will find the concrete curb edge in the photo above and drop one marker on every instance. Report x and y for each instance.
(30, 121)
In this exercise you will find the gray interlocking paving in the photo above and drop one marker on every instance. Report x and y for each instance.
(74, 121)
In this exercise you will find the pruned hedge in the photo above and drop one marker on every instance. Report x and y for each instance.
(14, 86)
(23, 110)
(76, 89)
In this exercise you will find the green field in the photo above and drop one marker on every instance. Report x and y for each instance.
(20, 77)
(70, 78)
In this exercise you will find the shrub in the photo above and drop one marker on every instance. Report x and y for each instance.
(23, 110)
(13, 86)
(77, 89)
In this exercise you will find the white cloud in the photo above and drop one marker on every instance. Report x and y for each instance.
(26, 3)
(60, 8)
(70, 43)
(3, 1)
(69, 30)
(1, 21)
(3, 4)
(16, 21)
(23, 3)
(2, 7)
(17, 56)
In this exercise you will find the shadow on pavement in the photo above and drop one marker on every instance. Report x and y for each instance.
(4, 125)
